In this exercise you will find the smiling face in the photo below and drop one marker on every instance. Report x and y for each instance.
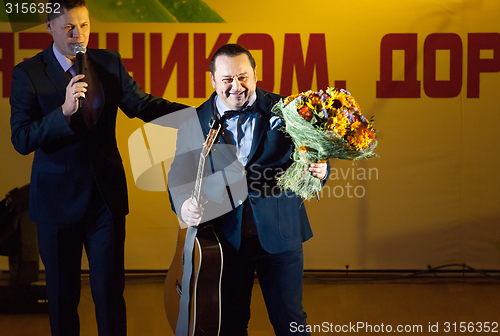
(234, 80)
(69, 29)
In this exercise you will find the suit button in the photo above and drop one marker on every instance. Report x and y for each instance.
(240, 202)
(244, 172)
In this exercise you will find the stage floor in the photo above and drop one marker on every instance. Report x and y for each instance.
(416, 305)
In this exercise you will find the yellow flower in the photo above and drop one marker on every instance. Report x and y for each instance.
(314, 102)
(331, 123)
(356, 125)
(338, 123)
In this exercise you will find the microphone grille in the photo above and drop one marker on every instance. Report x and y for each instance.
(80, 48)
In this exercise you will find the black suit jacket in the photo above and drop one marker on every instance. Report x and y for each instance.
(280, 217)
(68, 158)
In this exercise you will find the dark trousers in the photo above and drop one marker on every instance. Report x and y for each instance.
(280, 277)
(61, 248)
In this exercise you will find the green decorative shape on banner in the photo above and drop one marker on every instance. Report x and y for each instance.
(191, 11)
(128, 11)
(22, 11)
(187, 11)
(158, 11)
(23, 14)
(3, 13)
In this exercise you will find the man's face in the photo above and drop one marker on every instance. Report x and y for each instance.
(69, 29)
(234, 80)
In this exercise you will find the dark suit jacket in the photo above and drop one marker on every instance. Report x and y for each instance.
(68, 158)
(280, 217)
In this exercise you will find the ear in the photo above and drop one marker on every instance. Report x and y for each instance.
(255, 74)
(48, 24)
(212, 79)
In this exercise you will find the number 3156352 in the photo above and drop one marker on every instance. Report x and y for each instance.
(471, 327)
(41, 8)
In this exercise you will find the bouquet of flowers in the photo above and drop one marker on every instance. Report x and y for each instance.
(322, 125)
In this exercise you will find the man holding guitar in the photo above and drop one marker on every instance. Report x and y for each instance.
(264, 227)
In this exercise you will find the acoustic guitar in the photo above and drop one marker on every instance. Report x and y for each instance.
(192, 287)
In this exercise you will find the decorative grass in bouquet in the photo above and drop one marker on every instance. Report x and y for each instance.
(322, 125)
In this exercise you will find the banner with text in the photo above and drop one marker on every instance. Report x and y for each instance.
(428, 70)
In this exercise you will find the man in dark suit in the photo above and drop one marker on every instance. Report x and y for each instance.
(78, 193)
(264, 227)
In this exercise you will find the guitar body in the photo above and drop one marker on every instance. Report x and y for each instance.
(205, 283)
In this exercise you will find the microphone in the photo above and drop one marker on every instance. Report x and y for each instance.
(80, 51)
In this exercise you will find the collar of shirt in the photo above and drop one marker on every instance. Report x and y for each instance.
(221, 108)
(241, 134)
(65, 62)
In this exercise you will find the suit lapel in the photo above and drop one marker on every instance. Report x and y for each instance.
(99, 80)
(204, 115)
(54, 71)
(261, 121)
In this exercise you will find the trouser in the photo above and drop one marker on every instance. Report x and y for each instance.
(280, 277)
(61, 245)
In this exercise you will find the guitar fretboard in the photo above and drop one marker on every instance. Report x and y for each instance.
(207, 145)
(199, 178)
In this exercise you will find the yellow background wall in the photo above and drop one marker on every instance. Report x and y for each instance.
(433, 196)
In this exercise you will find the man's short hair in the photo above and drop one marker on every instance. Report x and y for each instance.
(66, 6)
(231, 50)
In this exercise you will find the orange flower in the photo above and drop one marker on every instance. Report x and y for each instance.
(361, 139)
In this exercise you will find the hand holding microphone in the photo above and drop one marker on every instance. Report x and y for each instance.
(75, 91)
(80, 51)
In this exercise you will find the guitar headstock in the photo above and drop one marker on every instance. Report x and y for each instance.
(215, 127)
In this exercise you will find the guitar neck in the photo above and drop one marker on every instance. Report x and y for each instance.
(199, 177)
(211, 138)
